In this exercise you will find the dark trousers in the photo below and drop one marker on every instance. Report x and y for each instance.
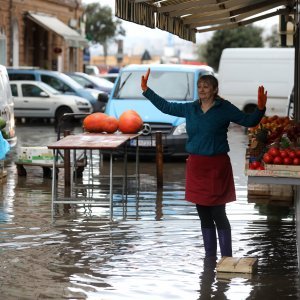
(210, 218)
(213, 216)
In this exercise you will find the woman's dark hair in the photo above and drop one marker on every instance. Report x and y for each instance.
(211, 79)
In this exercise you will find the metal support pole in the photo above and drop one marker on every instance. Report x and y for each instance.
(67, 169)
(67, 166)
(159, 159)
(54, 183)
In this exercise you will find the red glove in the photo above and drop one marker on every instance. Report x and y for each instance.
(144, 81)
(261, 98)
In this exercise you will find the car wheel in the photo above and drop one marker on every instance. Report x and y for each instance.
(61, 111)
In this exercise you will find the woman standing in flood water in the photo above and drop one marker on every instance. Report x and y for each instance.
(209, 178)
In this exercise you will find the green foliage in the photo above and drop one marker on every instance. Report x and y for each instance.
(273, 40)
(100, 25)
(248, 36)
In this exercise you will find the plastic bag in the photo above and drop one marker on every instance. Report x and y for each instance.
(4, 147)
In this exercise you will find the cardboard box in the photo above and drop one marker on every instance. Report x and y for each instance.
(35, 155)
(237, 265)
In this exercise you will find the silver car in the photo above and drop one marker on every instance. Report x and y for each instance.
(35, 99)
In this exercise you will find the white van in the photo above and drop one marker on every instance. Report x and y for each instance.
(242, 70)
(7, 108)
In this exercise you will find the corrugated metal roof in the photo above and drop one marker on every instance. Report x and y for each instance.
(185, 18)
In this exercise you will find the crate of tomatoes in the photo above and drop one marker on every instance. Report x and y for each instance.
(274, 145)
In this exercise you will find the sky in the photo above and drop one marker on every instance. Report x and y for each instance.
(139, 37)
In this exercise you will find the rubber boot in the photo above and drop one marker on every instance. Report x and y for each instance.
(225, 242)
(210, 241)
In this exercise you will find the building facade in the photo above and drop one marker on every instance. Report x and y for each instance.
(42, 33)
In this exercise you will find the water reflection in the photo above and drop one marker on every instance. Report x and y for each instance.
(152, 249)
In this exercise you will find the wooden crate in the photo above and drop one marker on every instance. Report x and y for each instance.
(291, 168)
(277, 194)
(237, 265)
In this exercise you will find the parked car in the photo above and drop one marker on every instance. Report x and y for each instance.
(91, 81)
(60, 82)
(174, 83)
(35, 99)
(7, 108)
(91, 70)
(112, 77)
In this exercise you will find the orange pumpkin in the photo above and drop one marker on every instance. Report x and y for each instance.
(94, 122)
(130, 122)
(111, 124)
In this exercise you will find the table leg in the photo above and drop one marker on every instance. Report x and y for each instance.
(111, 186)
(125, 177)
(137, 164)
(54, 191)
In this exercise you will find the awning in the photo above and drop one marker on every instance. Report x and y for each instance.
(185, 18)
(72, 37)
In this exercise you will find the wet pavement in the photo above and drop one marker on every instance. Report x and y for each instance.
(152, 250)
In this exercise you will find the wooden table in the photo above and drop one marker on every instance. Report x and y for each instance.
(90, 141)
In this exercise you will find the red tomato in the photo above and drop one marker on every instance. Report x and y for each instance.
(274, 151)
(298, 152)
(277, 160)
(284, 153)
(287, 161)
(267, 158)
(296, 161)
(292, 154)
(251, 166)
(255, 165)
(260, 168)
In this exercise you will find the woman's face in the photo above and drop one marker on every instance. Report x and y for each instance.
(206, 91)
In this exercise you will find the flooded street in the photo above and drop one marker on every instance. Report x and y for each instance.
(153, 248)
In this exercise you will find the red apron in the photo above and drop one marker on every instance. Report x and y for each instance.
(209, 180)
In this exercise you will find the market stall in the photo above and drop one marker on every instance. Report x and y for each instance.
(273, 161)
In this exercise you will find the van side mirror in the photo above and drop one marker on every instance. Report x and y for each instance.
(103, 97)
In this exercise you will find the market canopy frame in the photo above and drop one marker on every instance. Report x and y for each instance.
(185, 18)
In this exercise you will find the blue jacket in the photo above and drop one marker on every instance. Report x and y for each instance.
(207, 132)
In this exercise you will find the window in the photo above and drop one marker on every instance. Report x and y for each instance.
(14, 90)
(21, 76)
(169, 85)
(30, 90)
(56, 84)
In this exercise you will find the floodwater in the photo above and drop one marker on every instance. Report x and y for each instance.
(151, 250)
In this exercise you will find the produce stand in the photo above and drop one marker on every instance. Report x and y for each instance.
(93, 193)
(272, 161)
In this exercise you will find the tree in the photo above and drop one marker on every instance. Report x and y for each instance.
(100, 25)
(273, 40)
(249, 36)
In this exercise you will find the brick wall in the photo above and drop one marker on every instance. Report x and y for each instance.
(14, 11)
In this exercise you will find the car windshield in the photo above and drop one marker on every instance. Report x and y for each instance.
(50, 89)
(169, 85)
